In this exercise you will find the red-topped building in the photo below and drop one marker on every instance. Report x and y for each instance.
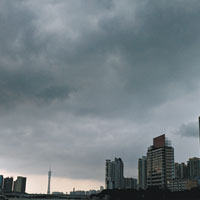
(160, 162)
(159, 141)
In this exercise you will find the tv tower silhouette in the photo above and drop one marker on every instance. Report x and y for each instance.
(49, 181)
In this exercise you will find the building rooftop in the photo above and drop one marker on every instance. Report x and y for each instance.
(161, 141)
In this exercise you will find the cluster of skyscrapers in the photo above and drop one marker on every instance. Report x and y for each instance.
(156, 169)
(115, 176)
(8, 185)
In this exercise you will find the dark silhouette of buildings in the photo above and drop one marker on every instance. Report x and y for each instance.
(114, 174)
(149, 194)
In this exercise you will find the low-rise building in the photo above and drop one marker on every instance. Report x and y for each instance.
(181, 184)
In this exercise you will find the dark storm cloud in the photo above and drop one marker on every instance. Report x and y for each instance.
(22, 73)
(84, 79)
(130, 59)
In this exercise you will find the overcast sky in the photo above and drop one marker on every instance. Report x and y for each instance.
(82, 81)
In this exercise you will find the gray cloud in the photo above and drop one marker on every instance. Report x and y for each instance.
(81, 81)
(189, 130)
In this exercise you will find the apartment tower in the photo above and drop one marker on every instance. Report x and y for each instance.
(142, 173)
(114, 174)
(160, 163)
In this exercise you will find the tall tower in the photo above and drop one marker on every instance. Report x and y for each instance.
(49, 181)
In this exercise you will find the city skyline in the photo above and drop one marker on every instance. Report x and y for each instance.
(83, 81)
(114, 176)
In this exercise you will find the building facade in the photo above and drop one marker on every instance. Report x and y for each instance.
(160, 163)
(177, 185)
(182, 184)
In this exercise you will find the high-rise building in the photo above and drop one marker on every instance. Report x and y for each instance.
(160, 163)
(8, 185)
(114, 174)
(1, 183)
(109, 179)
(118, 173)
(142, 173)
(193, 166)
(20, 185)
